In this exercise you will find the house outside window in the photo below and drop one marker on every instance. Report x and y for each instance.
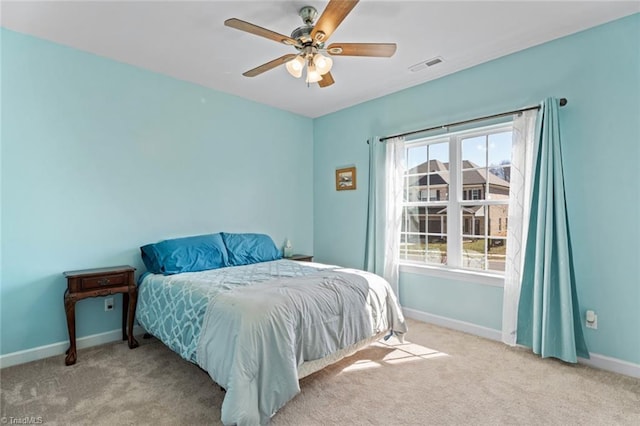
(456, 200)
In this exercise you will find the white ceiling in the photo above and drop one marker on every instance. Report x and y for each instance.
(188, 41)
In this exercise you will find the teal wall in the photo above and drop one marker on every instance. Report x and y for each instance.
(599, 72)
(99, 158)
(453, 298)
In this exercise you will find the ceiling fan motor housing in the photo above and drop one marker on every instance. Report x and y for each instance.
(303, 34)
(308, 15)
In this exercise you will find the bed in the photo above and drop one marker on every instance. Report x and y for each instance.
(258, 323)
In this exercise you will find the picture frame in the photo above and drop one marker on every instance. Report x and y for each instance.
(346, 179)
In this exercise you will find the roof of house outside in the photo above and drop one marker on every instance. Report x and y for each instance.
(472, 174)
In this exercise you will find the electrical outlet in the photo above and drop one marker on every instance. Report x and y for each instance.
(592, 320)
(108, 304)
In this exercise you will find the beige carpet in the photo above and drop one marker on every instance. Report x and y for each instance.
(442, 377)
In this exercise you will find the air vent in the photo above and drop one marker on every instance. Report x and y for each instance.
(425, 64)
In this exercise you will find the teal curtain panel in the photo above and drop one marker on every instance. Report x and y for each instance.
(549, 318)
(374, 243)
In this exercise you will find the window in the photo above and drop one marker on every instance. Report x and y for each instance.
(456, 199)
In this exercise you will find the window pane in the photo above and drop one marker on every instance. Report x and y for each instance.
(412, 247)
(417, 188)
(496, 255)
(473, 221)
(416, 155)
(437, 251)
(438, 187)
(437, 236)
(474, 152)
(414, 236)
(474, 184)
(413, 219)
(438, 172)
(499, 174)
(500, 149)
(439, 157)
(403, 246)
(484, 232)
(437, 226)
(497, 220)
(473, 253)
(474, 233)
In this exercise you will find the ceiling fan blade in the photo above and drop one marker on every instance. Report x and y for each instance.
(327, 80)
(384, 50)
(269, 65)
(333, 15)
(259, 31)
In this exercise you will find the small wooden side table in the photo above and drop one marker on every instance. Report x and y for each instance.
(100, 282)
(301, 257)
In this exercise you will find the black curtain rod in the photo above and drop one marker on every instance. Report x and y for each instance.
(563, 102)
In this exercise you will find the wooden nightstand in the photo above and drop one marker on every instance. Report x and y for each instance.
(301, 257)
(100, 282)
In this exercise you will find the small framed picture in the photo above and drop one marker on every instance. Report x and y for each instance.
(345, 178)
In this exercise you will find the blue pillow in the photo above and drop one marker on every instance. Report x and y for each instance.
(244, 249)
(189, 254)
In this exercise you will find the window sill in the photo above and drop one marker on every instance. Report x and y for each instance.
(485, 278)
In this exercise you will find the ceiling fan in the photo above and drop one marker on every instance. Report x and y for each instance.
(310, 40)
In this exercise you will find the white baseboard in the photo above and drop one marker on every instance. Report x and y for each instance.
(60, 348)
(597, 361)
(612, 364)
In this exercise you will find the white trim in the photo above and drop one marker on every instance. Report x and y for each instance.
(466, 275)
(59, 348)
(612, 364)
(602, 362)
(463, 326)
(454, 220)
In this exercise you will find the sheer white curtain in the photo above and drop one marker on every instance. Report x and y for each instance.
(519, 210)
(394, 178)
(384, 209)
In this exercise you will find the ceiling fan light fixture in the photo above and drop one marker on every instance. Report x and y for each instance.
(323, 63)
(295, 66)
(313, 76)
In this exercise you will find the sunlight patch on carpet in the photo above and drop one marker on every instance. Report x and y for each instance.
(398, 353)
(364, 364)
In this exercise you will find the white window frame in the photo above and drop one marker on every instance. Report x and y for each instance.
(455, 202)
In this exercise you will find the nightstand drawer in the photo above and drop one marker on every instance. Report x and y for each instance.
(94, 280)
(116, 280)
